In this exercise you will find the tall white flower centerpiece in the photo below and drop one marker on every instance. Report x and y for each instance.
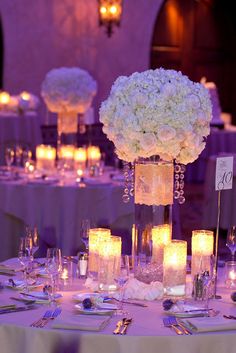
(68, 92)
(157, 119)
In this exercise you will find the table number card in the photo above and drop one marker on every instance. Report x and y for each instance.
(224, 173)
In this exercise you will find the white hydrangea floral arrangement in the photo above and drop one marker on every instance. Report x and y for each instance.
(68, 89)
(157, 112)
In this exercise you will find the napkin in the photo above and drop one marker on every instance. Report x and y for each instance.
(209, 324)
(6, 270)
(82, 322)
(135, 289)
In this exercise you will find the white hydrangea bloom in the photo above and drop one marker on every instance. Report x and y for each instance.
(157, 112)
(68, 89)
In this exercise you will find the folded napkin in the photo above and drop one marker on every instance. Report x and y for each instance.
(82, 322)
(134, 289)
(6, 270)
(209, 324)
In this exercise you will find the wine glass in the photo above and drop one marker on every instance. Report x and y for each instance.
(18, 155)
(26, 156)
(84, 232)
(35, 241)
(53, 268)
(121, 279)
(231, 240)
(9, 157)
(24, 256)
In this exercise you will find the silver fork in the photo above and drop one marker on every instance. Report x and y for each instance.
(36, 323)
(54, 314)
(168, 322)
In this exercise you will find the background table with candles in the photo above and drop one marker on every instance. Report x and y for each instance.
(57, 210)
(19, 129)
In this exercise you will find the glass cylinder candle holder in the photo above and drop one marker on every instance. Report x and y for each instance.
(80, 158)
(202, 251)
(93, 155)
(230, 274)
(107, 263)
(66, 274)
(174, 268)
(161, 236)
(66, 156)
(45, 157)
(95, 236)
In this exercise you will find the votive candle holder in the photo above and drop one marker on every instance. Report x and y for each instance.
(202, 251)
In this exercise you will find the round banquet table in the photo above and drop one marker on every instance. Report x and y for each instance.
(20, 129)
(145, 334)
(58, 211)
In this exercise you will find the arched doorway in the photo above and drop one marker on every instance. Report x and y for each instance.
(1, 55)
(198, 38)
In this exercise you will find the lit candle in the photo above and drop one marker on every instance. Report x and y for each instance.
(64, 274)
(161, 236)
(95, 236)
(230, 274)
(109, 253)
(202, 250)
(94, 155)
(25, 96)
(45, 157)
(174, 271)
(66, 155)
(4, 99)
(80, 157)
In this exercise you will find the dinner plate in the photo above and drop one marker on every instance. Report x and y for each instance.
(19, 285)
(39, 296)
(93, 311)
(79, 297)
(186, 311)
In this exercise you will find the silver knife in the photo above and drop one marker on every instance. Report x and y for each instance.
(34, 296)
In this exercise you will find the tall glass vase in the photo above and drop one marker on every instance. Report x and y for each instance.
(67, 127)
(153, 217)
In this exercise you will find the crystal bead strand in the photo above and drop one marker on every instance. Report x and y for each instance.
(179, 183)
(126, 170)
(131, 192)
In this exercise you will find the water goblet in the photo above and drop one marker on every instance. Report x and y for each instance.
(9, 157)
(24, 256)
(35, 241)
(121, 279)
(84, 232)
(231, 240)
(18, 155)
(26, 156)
(53, 268)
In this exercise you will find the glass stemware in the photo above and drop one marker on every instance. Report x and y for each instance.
(9, 157)
(18, 155)
(24, 256)
(35, 241)
(84, 232)
(53, 268)
(121, 279)
(231, 240)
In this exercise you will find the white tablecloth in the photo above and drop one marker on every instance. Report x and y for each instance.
(58, 212)
(146, 334)
(24, 130)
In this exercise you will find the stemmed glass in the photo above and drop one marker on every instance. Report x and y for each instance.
(24, 256)
(9, 157)
(231, 240)
(53, 268)
(121, 279)
(35, 241)
(84, 232)
(18, 155)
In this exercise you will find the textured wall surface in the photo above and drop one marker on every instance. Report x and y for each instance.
(42, 34)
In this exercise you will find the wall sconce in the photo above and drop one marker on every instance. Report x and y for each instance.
(109, 14)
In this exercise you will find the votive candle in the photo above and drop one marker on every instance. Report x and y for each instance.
(45, 157)
(202, 251)
(93, 155)
(80, 157)
(95, 236)
(161, 236)
(174, 267)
